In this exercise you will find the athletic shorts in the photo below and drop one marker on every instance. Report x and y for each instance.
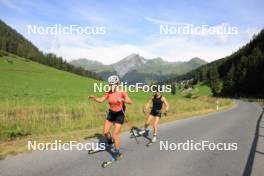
(116, 117)
(155, 113)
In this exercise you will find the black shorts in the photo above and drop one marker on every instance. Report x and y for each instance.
(155, 113)
(116, 117)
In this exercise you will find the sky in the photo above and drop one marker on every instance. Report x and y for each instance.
(133, 26)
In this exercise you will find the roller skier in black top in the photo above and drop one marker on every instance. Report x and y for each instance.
(157, 101)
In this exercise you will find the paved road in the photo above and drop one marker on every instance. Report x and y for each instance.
(241, 125)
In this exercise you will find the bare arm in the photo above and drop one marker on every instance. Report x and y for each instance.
(126, 99)
(147, 106)
(166, 103)
(98, 99)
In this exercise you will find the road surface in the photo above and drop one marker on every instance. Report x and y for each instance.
(242, 125)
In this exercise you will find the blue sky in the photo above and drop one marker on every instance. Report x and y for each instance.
(134, 27)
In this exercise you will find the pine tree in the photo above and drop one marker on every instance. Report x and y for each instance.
(240, 75)
(229, 82)
(173, 89)
(204, 73)
(253, 76)
(215, 83)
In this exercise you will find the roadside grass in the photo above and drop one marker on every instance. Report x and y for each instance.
(66, 127)
(43, 104)
(21, 120)
(201, 89)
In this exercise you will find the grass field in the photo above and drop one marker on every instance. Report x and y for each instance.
(201, 89)
(39, 102)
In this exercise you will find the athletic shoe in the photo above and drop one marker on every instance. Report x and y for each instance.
(154, 139)
(118, 155)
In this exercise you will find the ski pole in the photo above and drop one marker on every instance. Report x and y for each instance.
(131, 127)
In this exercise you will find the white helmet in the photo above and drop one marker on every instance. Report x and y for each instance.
(113, 80)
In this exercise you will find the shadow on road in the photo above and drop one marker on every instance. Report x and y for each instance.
(102, 139)
(253, 151)
(135, 133)
(260, 152)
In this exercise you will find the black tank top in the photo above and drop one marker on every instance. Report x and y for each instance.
(157, 102)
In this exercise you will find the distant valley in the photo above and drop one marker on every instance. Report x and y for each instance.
(135, 68)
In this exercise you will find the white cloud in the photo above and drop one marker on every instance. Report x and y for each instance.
(159, 21)
(195, 30)
(104, 54)
(183, 48)
(171, 48)
(178, 48)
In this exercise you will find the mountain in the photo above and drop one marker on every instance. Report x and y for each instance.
(131, 62)
(196, 62)
(103, 70)
(13, 42)
(241, 73)
(87, 64)
(147, 70)
(159, 66)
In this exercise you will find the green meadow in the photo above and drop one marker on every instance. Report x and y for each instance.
(37, 101)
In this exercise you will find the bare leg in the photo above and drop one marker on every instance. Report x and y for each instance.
(116, 135)
(107, 126)
(147, 122)
(155, 125)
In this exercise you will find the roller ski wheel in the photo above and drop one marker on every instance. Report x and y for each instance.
(112, 160)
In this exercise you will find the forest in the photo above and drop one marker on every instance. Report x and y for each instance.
(13, 42)
(240, 74)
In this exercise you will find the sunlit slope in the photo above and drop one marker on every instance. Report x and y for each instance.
(22, 78)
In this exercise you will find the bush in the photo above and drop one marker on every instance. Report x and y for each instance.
(189, 95)
(3, 53)
(15, 132)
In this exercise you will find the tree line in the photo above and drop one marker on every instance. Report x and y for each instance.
(13, 42)
(240, 74)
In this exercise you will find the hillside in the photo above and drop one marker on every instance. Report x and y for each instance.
(146, 69)
(241, 73)
(13, 42)
(25, 79)
(37, 99)
(87, 64)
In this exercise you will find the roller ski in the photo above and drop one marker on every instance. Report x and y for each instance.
(114, 158)
(137, 132)
(92, 151)
(108, 146)
(153, 141)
